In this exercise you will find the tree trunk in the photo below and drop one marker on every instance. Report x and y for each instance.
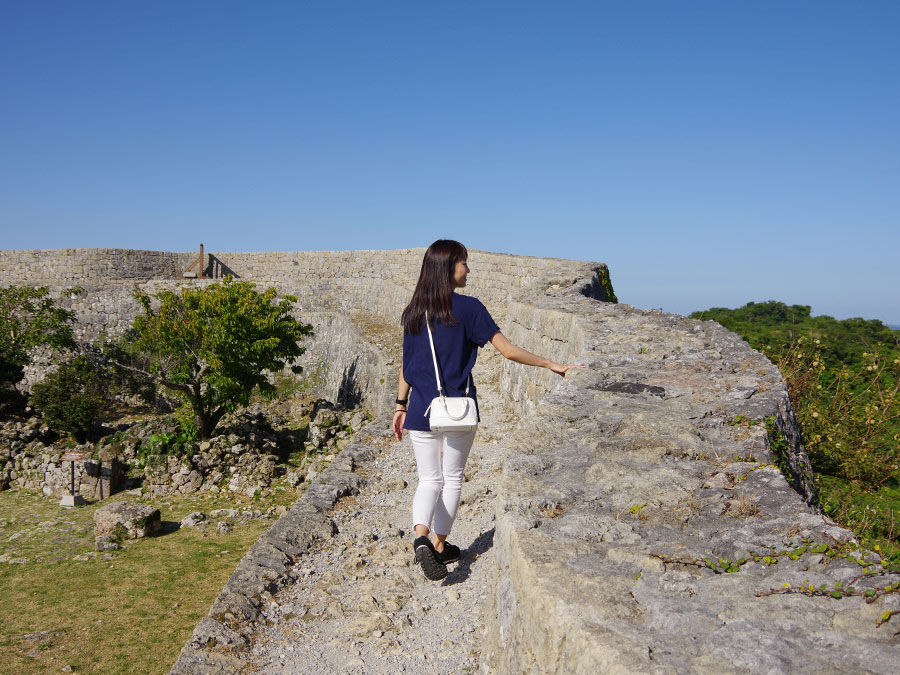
(207, 421)
(205, 426)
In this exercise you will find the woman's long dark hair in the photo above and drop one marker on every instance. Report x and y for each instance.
(434, 291)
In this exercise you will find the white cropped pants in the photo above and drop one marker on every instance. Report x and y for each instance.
(440, 460)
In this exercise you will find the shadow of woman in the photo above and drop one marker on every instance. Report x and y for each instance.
(483, 542)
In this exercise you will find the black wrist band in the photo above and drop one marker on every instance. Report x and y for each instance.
(402, 401)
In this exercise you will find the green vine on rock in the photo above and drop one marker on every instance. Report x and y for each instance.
(778, 444)
(719, 566)
(838, 591)
(752, 469)
(744, 421)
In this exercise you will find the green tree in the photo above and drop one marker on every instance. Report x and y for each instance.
(214, 345)
(71, 397)
(29, 318)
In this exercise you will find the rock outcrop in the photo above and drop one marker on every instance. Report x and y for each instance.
(640, 512)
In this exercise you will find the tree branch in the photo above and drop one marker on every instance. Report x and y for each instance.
(156, 378)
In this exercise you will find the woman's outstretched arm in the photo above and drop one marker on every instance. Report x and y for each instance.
(519, 355)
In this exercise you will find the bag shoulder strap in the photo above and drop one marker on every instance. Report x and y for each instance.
(437, 374)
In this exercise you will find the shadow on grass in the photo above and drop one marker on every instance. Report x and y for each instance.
(167, 527)
(483, 542)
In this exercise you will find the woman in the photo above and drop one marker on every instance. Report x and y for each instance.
(459, 324)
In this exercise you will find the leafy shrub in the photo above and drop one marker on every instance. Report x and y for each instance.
(179, 444)
(844, 382)
(873, 515)
(71, 397)
(29, 318)
(850, 417)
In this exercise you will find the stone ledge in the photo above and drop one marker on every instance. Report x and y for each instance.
(218, 641)
(602, 479)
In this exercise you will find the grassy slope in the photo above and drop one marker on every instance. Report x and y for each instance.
(131, 614)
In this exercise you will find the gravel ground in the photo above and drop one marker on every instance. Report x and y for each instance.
(361, 604)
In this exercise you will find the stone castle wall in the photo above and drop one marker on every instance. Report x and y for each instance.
(617, 476)
(73, 266)
(379, 282)
(332, 287)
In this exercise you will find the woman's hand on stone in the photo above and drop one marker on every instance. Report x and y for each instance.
(399, 419)
(560, 369)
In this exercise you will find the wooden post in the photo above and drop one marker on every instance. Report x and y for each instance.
(73, 499)
(199, 274)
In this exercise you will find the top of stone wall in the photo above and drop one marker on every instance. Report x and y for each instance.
(365, 280)
(58, 266)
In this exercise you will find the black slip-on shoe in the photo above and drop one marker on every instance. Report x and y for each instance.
(449, 554)
(426, 556)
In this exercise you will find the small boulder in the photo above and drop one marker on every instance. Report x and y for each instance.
(126, 520)
(266, 468)
(106, 543)
(195, 519)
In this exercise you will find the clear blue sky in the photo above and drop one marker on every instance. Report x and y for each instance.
(711, 153)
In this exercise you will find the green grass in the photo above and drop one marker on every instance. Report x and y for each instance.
(131, 614)
(872, 515)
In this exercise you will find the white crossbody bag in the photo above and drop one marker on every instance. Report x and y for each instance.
(449, 413)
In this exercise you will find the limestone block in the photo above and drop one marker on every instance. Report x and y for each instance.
(126, 520)
(195, 519)
(106, 543)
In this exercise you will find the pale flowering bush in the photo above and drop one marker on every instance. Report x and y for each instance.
(850, 417)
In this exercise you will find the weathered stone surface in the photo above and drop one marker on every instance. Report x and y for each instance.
(126, 520)
(630, 465)
(31, 464)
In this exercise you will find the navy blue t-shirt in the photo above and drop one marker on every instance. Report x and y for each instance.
(456, 347)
